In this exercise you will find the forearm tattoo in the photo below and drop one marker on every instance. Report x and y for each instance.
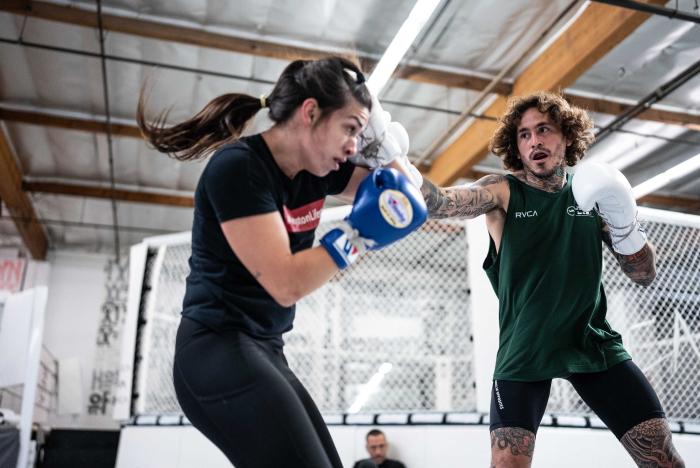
(516, 440)
(466, 201)
(640, 267)
(649, 444)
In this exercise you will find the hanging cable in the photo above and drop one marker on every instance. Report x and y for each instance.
(652, 98)
(82, 224)
(105, 93)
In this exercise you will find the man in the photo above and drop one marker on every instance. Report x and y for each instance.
(377, 447)
(545, 264)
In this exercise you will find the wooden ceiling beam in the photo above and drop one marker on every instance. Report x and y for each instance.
(92, 191)
(594, 33)
(18, 203)
(442, 78)
(69, 123)
(602, 106)
(690, 205)
(49, 119)
(687, 204)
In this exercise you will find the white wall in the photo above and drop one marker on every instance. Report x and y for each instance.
(76, 293)
(416, 446)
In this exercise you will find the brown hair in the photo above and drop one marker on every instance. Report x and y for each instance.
(575, 125)
(331, 81)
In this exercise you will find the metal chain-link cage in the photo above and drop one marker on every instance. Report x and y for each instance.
(161, 304)
(659, 324)
(393, 332)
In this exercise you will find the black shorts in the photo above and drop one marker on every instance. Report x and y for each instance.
(620, 396)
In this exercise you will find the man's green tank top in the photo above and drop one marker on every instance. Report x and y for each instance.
(547, 275)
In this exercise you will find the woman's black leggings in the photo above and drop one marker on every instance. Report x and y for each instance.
(240, 393)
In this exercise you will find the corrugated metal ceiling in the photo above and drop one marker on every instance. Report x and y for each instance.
(469, 37)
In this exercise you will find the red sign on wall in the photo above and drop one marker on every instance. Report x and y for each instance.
(12, 273)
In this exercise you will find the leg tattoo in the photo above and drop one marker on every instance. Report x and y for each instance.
(649, 444)
(515, 440)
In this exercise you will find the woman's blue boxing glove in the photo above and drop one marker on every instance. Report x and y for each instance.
(387, 208)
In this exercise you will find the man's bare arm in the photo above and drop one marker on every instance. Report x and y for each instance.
(640, 267)
(467, 201)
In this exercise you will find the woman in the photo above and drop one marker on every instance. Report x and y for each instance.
(257, 205)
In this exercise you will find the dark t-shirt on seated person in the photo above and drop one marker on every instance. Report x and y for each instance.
(388, 463)
(243, 179)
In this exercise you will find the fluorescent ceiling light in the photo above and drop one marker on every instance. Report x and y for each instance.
(410, 28)
(368, 389)
(676, 172)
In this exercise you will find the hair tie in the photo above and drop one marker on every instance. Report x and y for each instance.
(355, 74)
(263, 101)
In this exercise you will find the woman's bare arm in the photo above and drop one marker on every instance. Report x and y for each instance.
(262, 245)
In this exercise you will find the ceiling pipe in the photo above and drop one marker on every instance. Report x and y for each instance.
(85, 225)
(653, 97)
(671, 13)
(108, 122)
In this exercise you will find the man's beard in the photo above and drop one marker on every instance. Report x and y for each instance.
(556, 171)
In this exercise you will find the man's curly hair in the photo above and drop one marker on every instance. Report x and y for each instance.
(575, 125)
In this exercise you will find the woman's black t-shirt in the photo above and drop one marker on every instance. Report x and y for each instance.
(242, 179)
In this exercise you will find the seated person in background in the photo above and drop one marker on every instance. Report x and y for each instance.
(377, 447)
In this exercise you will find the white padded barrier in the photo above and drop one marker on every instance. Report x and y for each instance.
(418, 446)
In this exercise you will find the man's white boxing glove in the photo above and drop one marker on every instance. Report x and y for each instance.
(383, 142)
(411, 171)
(400, 135)
(378, 145)
(601, 186)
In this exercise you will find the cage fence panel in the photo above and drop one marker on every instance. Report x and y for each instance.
(167, 269)
(393, 332)
(390, 333)
(660, 324)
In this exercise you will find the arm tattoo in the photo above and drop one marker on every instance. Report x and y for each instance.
(467, 201)
(649, 444)
(640, 267)
(516, 440)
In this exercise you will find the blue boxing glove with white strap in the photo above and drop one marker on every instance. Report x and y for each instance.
(387, 208)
